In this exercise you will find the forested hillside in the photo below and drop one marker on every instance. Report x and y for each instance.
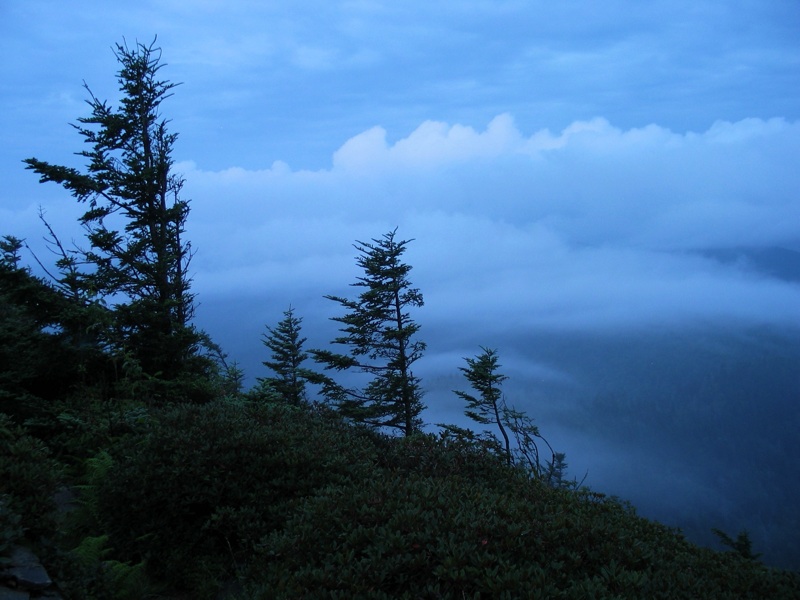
(135, 465)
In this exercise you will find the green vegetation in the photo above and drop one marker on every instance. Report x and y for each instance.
(380, 335)
(286, 346)
(295, 502)
(140, 265)
(183, 484)
(490, 408)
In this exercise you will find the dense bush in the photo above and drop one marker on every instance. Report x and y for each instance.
(85, 572)
(295, 503)
(397, 536)
(29, 478)
(441, 455)
(301, 505)
(10, 526)
(79, 427)
(418, 536)
(200, 489)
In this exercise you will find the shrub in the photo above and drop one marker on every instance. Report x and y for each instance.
(80, 427)
(85, 571)
(29, 478)
(302, 505)
(400, 536)
(445, 455)
(420, 536)
(207, 482)
(11, 530)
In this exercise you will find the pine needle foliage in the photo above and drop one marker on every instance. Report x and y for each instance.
(380, 335)
(487, 407)
(287, 358)
(135, 222)
(742, 545)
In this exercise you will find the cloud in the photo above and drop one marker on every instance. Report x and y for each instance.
(590, 227)
(431, 145)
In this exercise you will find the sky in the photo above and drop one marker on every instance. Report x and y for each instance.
(558, 165)
(570, 166)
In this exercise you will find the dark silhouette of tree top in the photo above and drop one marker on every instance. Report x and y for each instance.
(135, 218)
(380, 334)
(287, 357)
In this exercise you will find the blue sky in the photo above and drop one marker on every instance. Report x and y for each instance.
(559, 164)
(293, 80)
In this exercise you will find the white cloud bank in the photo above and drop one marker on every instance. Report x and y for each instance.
(592, 227)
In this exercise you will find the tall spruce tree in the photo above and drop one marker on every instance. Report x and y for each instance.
(287, 356)
(135, 221)
(381, 339)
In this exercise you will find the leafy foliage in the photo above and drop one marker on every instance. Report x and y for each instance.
(29, 477)
(125, 581)
(11, 530)
(430, 534)
(295, 503)
(87, 571)
(207, 482)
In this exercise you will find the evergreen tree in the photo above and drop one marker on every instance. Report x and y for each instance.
(286, 345)
(134, 222)
(26, 312)
(380, 335)
(527, 438)
(742, 545)
(488, 406)
(43, 349)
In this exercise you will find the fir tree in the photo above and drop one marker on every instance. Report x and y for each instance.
(381, 339)
(488, 406)
(135, 222)
(742, 545)
(45, 345)
(286, 345)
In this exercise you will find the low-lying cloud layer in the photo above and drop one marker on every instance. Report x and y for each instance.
(591, 227)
